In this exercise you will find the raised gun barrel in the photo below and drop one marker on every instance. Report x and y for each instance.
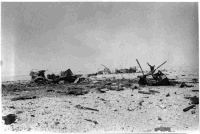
(140, 66)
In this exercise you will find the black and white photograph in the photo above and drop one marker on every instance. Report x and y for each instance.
(99, 67)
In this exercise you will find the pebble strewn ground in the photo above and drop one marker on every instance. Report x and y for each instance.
(119, 111)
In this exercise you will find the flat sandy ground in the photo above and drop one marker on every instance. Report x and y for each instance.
(118, 111)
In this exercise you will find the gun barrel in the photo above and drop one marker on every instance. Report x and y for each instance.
(159, 66)
(140, 66)
(103, 66)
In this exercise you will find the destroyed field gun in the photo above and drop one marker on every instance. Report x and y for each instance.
(38, 76)
(106, 70)
(160, 78)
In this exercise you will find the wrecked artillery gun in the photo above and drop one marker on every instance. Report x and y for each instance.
(65, 76)
(106, 70)
(158, 79)
(131, 70)
(38, 77)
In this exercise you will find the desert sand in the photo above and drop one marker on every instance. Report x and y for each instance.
(114, 111)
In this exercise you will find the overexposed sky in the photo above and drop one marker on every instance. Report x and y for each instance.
(84, 35)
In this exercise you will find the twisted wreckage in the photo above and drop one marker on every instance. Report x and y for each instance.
(65, 76)
(150, 79)
(159, 78)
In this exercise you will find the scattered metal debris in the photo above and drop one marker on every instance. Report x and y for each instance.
(140, 103)
(23, 98)
(195, 80)
(168, 95)
(19, 112)
(95, 122)
(135, 87)
(195, 90)
(76, 90)
(194, 99)
(153, 91)
(103, 90)
(185, 85)
(9, 119)
(188, 108)
(144, 92)
(86, 108)
(12, 107)
(50, 90)
(159, 118)
(81, 84)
